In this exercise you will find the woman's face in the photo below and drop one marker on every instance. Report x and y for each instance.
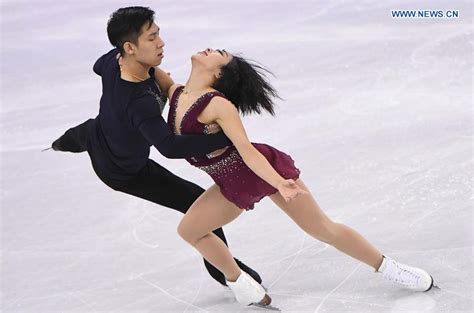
(212, 59)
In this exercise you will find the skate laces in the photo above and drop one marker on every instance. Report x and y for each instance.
(401, 274)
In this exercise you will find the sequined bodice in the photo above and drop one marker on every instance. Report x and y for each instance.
(236, 181)
(189, 122)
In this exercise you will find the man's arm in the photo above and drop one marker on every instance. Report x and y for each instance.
(172, 146)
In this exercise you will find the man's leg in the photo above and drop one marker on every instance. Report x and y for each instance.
(158, 185)
(74, 139)
(155, 184)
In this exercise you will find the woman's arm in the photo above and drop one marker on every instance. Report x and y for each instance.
(228, 118)
(164, 80)
(172, 89)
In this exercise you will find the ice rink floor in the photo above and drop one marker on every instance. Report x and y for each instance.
(377, 114)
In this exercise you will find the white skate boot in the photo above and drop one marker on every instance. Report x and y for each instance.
(405, 276)
(247, 291)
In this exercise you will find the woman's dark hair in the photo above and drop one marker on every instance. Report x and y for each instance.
(126, 24)
(246, 86)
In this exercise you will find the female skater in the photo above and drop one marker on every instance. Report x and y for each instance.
(219, 87)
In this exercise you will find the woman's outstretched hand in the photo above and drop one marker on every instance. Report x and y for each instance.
(289, 189)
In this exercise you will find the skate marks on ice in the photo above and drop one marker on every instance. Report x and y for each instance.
(136, 226)
(457, 42)
(139, 226)
(335, 288)
(361, 289)
(296, 254)
(397, 83)
(189, 304)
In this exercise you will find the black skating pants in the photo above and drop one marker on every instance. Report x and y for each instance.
(158, 185)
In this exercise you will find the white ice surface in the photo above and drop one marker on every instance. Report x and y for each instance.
(377, 113)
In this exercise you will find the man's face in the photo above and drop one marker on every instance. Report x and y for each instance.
(149, 50)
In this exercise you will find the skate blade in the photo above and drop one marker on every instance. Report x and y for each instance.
(265, 304)
(432, 285)
(266, 307)
(46, 149)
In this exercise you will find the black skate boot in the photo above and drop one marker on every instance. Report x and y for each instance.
(74, 139)
(220, 278)
(249, 271)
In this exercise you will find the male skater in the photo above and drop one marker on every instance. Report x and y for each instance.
(118, 140)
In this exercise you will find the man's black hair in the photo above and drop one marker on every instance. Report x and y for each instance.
(126, 24)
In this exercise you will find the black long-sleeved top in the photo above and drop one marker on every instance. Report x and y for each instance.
(130, 121)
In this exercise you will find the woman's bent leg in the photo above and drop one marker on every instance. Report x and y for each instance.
(211, 211)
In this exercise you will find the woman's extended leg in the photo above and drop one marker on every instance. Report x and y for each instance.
(306, 213)
(211, 211)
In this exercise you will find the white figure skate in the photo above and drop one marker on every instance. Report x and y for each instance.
(248, 292)
(406, 276)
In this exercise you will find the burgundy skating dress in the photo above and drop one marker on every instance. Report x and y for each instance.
(237, 182)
